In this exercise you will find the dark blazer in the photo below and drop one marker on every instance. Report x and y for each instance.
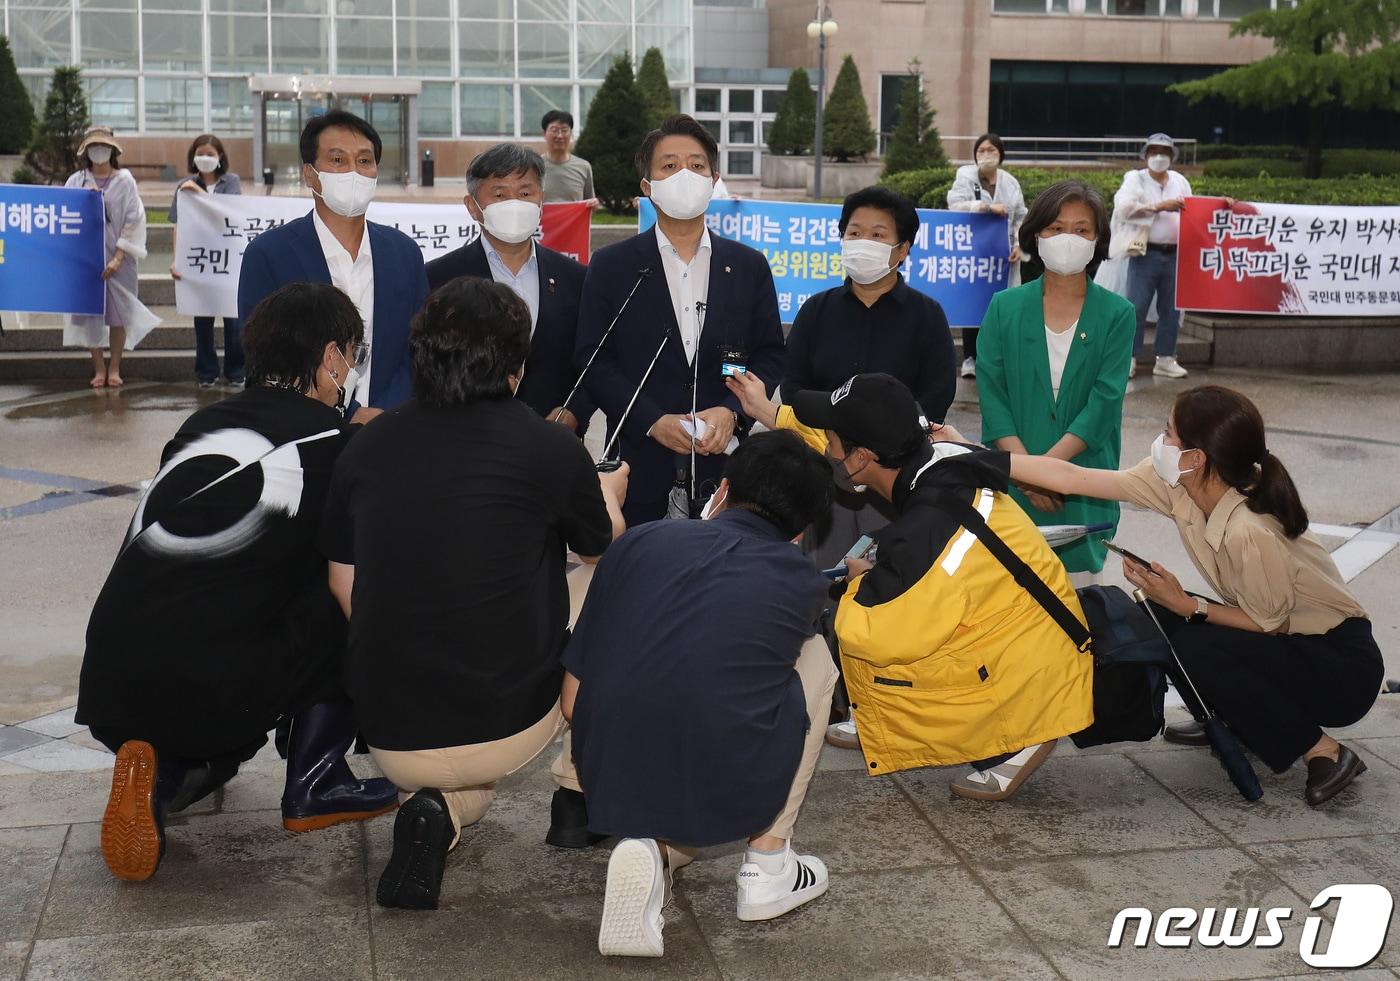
(741, 312)
(549, 371)
(292, 253)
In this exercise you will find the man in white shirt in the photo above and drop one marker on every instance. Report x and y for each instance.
(377, 266)
(1155, 194)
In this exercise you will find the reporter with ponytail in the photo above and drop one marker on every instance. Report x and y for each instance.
(1288, 650)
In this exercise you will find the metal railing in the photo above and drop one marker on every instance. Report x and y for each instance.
(1067, 150)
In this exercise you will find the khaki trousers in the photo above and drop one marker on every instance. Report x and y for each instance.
(818, 675)
(467, 775)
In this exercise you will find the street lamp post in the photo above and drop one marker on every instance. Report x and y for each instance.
(820, 29)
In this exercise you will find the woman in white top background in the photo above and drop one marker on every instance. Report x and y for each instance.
(126, 321)
(984, 186)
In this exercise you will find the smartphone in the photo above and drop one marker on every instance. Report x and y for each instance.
(729, 369)
(1128, 555)
(864, 548)
(835, 572)
(731, 362)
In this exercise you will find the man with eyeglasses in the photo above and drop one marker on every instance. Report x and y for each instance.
(566, 177)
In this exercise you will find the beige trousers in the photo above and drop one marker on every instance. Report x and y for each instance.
(818, 675)
(467, 775)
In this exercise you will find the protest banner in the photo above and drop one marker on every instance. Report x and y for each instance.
(1303, 260)
(51, 250)
(959, 258)
(214, 229)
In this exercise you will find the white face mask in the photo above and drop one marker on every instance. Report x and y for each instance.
(1158, 163)
(988, 163)
(349, 194)
(1065, 254)
(99, 154)
(346, 391)
(1166, 460)
(715, 500)
(683, 195)
(511, 221)
(866, 262)
(206, 165)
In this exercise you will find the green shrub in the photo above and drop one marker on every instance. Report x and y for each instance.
(1229, 151)
(23, 175)
(1335, 163)
(1254, 167)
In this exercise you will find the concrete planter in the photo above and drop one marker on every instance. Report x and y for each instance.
(790, 172)
(840, 179)
(1297, 342)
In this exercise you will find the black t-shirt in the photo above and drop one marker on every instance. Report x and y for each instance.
(188, 631)
(456, 521)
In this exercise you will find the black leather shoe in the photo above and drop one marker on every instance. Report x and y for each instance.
(422, 834)
(1191, 733)
(568, 821)
(1327, 778)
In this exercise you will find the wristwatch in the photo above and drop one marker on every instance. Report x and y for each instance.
(1202, 612)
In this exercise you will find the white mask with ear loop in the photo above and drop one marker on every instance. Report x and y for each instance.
(1166, 461)
(346, 391)
(710, 505)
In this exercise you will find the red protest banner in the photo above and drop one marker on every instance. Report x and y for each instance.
(565, 228)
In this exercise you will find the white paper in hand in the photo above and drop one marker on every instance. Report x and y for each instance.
(699, 427)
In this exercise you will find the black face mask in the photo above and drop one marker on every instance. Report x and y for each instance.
(844, 481)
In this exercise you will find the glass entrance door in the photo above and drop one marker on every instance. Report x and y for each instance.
(388, 114)
(283, 120)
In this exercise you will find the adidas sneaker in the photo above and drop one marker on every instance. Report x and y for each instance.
(764, 895)
(636, 893)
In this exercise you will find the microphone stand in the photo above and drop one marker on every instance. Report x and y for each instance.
(694, 386)
(618, 432)
(642, 275)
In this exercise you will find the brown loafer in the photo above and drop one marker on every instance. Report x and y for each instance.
(1327, 778)
(1191, 733)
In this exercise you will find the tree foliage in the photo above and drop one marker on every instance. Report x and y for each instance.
(53, 152)
(915, 143)
(795, 125)
(16, 111)
(614, 130)
(846, 129)
(655, 88)
(1327, 54)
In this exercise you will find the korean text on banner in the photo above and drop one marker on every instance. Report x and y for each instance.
(959, 258)
(51, 250)
(1242, 257)
(215, 229)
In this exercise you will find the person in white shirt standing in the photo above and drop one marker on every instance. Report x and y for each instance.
(1152, 198)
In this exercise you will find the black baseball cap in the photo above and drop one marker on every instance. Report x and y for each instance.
(876, 411)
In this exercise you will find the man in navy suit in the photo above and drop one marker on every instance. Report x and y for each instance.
(378, 267)
(713, 298)
(505, 186)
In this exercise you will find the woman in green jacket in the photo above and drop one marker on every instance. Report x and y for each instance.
(1053, 359)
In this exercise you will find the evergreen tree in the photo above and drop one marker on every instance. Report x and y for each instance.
(914, 144)
(615, 128)
(846, 130)
(1328, 55)
(53, 153)
(655, 88)
(16, 111)
(795, 126)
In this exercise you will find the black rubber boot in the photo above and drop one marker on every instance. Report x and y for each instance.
(422, 833)
(568, 821)
(321, 789)
(133, 825)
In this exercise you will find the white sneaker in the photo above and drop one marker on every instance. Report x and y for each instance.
(1004, 779)
(969, 368)
(632, 920)
(1168, 368)
(762, 895)
(843, 735)
(1132, 367)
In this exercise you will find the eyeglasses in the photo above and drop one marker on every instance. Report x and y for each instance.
(558, 131)
(359, 354)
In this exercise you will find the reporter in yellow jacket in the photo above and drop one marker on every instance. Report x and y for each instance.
(947, 660)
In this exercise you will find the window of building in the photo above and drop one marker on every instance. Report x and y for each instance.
(425, 46)
(740, 163)
(707, 100)
(109, 39)
(174, 104)
(230, 106)
(536, 100)
(41, 38)
(435, 109)
(300, 45)
(488, 110)
(237, 43)
(773, 100)
(487, 50)
(362, 45)
(111, 101)
(741, 131)
(585, 100)
(172, 42)
(544, 50)
(599, 45)
(741, 100)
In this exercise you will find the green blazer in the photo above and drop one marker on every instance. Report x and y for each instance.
(1013, 387)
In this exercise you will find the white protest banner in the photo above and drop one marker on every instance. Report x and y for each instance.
(214, 229)
(1304, 260)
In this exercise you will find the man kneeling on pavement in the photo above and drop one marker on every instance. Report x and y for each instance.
(698, 689)
(947, 660)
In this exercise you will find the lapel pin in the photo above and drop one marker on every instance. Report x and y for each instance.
(1082, 335)
(727, 269)
(551, 284)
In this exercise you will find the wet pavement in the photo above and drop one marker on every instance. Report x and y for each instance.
(923, 885)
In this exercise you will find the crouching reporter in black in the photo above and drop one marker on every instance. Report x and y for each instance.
(215, 623)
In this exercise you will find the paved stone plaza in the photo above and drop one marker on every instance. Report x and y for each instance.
(923, 885)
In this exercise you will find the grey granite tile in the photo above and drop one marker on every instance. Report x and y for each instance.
(28, 799)
(1371, 805)
(56, 725)
(27, 858)
(217, 869)
(1071, 805)
(13, 954)
(59, 754)
(334, 948)
(13, 738)
(1068, 905)
(920, 923)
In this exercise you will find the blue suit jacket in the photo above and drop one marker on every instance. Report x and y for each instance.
(292, 253)
(549, 371)
(741, 312)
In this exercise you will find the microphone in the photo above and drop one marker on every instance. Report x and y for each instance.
(694, 386)
(642, 275)
(665, 339)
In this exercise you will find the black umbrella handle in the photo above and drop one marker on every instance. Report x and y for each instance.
(1199, 710)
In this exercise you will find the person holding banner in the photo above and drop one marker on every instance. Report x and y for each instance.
(208, 162)
(378, 267)
(1055, 355)
(684, 305)
(983, 186)
(127, 320)
(504, 190)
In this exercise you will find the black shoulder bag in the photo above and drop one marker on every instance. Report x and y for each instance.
(1130, 654)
